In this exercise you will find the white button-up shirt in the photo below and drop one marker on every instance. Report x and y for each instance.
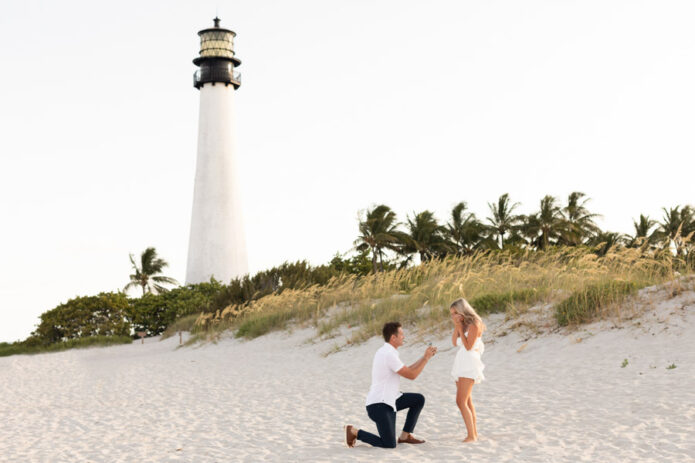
(385, 380)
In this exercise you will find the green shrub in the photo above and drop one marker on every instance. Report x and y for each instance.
(153, 313)
(10, 348)
(500, 302)
(360, 264)
(101, 315)
(583, 305)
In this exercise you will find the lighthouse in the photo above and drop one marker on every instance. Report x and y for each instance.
(217, 243)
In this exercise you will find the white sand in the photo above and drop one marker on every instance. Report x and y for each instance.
(278, 398)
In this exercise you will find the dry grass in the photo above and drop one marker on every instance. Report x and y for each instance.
(420, 296)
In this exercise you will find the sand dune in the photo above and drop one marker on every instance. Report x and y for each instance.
(564, 396)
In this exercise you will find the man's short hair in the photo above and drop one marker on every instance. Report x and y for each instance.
(390, 329)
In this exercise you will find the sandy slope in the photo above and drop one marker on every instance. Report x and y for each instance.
(278, 398)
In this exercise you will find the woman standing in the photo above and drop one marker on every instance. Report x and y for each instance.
(468, 367)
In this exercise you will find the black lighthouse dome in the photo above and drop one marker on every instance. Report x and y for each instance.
(216, 58)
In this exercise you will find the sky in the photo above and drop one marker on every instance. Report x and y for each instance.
(344, 105)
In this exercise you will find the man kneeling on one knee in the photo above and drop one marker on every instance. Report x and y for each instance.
(384, 398)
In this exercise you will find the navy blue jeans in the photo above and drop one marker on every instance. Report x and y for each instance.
(385, 418)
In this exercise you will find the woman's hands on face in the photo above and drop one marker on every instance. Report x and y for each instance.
(457, 318)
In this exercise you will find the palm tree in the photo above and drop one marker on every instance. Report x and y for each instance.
(677, 227)
(379, 231)
(671, 222)
(604, 241)
(147, 274)
(502, 219)
(579, 222)
(519, 236)
(643, 232)
(546, 224)
(426, 237)
(465, 232)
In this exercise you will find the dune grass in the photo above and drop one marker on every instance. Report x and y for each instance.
(501, 302)
(420, 296)
(588, 303)
(17, 348)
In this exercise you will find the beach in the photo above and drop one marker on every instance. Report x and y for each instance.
(607, 391)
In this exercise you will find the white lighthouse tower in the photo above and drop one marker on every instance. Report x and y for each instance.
(217, 246)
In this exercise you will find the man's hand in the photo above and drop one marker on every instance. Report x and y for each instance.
(429, 353)
(412, 371)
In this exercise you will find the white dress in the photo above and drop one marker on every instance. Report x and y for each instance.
(467, 363)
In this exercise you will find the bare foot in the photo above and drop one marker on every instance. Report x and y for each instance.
(470, 439)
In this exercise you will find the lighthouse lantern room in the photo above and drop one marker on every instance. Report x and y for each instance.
(217, 60)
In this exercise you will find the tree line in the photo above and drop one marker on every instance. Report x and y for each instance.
(553, 224)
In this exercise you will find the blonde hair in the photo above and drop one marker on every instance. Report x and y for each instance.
(470, 316)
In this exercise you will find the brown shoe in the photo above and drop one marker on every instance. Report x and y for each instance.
(349, 437)
(410, 440)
